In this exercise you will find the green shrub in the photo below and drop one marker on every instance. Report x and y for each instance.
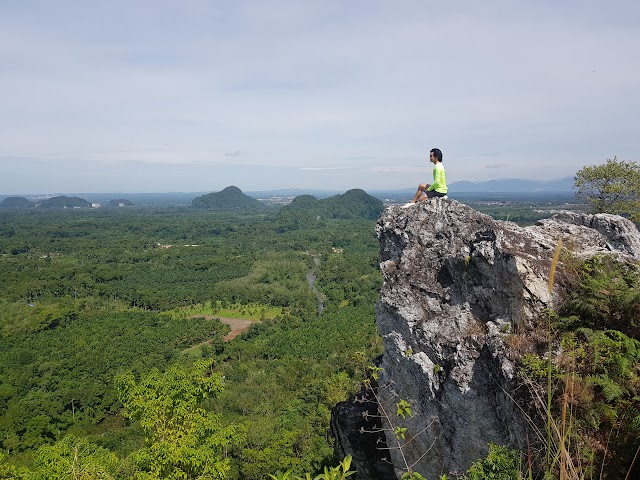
(501, 463)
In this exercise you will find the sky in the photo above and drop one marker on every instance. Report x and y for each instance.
(197, 95)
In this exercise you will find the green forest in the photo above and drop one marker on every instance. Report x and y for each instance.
(98, 303)
(113, 361)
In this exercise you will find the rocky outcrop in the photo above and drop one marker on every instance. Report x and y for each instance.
(587, 235)
(456, 282)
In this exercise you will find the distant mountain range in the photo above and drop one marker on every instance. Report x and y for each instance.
(506, 185)
(60, 202)
(515, 185)
(354, 203)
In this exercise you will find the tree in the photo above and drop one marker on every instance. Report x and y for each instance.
(8, 471)
(75, 459)
(613, 187)
(183, 440)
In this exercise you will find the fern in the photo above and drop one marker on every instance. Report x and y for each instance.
(607, 297)
(610, 390)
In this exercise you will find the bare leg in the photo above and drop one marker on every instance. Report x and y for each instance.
(420, 195)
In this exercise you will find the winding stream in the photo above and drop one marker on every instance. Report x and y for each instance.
(311, 278)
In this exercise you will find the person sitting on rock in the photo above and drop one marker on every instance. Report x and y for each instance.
(439, 186)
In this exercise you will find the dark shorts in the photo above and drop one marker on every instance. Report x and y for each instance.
(434, 194)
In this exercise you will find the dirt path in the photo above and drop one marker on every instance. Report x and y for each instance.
(238, 326)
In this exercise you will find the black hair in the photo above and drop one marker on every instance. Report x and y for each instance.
(437, 153)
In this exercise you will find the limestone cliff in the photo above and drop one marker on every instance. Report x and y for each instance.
(456, 282)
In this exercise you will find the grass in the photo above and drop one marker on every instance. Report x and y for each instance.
(253, 311)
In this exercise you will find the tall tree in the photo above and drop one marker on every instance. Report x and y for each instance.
(613, 187)
(183, 440)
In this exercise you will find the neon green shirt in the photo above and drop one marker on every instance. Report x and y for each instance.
(439, 180)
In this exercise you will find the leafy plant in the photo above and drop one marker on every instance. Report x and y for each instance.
(403, 409)
(75, 458)
(613, 187)
(501, 463)
(607, 296)
(593, 374)
(184, 440)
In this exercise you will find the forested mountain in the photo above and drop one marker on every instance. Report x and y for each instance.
(59, 202)
(231, 199)
(355, 203)
(16, 202)
(63, 202)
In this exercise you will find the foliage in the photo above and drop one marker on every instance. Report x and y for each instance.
(183, 440)
(8, 471)
(81, 293)
(534, 367)
(594, 417)
(404, 409)
(307, 366)
(613, 187)
(61, 375)
(416, 476)
(501, 463)
(339, 472)
(607, 296)
(76, 459)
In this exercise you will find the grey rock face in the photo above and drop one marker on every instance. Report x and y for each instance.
(456, 282)
(358, 432)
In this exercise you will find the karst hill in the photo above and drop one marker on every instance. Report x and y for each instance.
(355, 203)
(230, 199)
(58, 202)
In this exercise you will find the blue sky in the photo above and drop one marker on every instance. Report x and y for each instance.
(196, 95)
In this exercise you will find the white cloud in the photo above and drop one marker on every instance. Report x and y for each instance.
(536, 89)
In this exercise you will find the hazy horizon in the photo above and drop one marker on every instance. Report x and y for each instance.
(194, 96)
(563, 187)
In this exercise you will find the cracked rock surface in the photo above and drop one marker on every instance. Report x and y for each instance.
(456, 282)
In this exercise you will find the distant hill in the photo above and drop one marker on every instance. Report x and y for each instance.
(63, 202)
(16, 202)
(355, 203)
(303, 203)
(120, 202)
(231, 199)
